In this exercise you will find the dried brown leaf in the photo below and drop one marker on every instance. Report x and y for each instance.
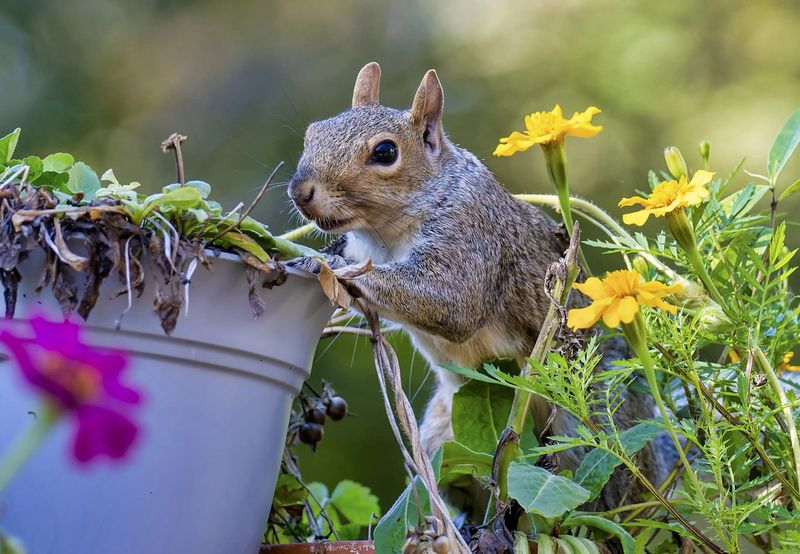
(10, 280)
(354, 271)
(332, 288)
(257, 303)
(78, 263)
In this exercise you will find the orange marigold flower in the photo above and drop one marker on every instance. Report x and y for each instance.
(547, 128)
(617, 299)
(667, 197)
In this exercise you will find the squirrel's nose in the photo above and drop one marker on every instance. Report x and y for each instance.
(301, 192)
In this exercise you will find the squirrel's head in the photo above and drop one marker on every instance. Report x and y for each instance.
(363, 168)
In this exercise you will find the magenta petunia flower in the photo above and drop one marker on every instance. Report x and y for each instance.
(79, 380)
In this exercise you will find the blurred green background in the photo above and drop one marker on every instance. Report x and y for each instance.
(108, 80)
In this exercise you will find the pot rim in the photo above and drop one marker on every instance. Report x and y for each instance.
(231, 257)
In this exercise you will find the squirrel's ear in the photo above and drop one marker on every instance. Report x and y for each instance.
(427, 109)
(368, 85)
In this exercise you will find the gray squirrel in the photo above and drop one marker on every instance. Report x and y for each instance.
(457, 260)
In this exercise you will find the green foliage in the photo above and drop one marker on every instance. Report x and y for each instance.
(598, 465)
(540, 492)
(784, 146)
(407, 512)
(722, 365)
(578, 519)
(185, 210)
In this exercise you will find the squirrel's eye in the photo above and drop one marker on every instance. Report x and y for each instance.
(384, 153)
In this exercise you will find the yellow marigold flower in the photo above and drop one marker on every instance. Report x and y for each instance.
(785, 366)
(667, 197)
(617, 298)
(547, 128)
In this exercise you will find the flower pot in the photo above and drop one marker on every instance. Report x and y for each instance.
(217, 396)
(346, 547)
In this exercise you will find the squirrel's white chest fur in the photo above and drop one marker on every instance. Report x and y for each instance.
(381, 249)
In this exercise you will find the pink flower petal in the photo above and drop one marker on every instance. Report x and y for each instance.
(102, 432)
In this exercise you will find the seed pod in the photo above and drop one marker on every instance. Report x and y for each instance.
(311, 433)
(441, 544)
(315, 416)
(337, 408)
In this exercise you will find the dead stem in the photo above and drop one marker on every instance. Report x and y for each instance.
(388, 368)
(173, 142)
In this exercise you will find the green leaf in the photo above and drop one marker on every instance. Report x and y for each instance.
(790, 190)
(35, 167)
(58, 162)
(540, 492)
(7, 145)
(598, 465)
(56, 182)
(784, 146)
(288, 491)
(390, 532)
(355, 502)
(741, 202)
(459, 460)
(480, 414)
(82, 178)
(181, 198)
(349, 531)
(320, 491)
(202, 187)
(232, 238)
(610, 527)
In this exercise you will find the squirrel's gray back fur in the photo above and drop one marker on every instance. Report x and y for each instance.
(458, 261)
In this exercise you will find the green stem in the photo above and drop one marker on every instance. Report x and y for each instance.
(299, 232)
(27, 445)
(609, 225)
(555, 156)
(636, 334)
(775, 385)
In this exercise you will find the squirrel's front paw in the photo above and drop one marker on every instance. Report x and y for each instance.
(312, 265)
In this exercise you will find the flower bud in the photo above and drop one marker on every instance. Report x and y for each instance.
(712, 318)
(675, 162)
(692, 294)
(705, 151)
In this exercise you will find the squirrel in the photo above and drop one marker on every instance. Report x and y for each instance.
(458, 262)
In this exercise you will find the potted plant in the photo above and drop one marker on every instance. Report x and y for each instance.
(217, 364)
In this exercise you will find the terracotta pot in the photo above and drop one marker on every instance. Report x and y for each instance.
(348, 547)
(217, 396)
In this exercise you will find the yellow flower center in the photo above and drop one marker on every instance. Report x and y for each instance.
(81, 380)
(545, 123)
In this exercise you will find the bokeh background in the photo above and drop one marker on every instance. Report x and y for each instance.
(107, 80)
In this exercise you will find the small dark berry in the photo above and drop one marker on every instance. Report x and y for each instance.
(311, 433)
(315, 416)
(337, 408)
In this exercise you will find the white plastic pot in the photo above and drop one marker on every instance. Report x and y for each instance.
(217, 400)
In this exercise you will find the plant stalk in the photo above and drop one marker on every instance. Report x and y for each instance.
(775, 384)
(636, 333)
(27, 445)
